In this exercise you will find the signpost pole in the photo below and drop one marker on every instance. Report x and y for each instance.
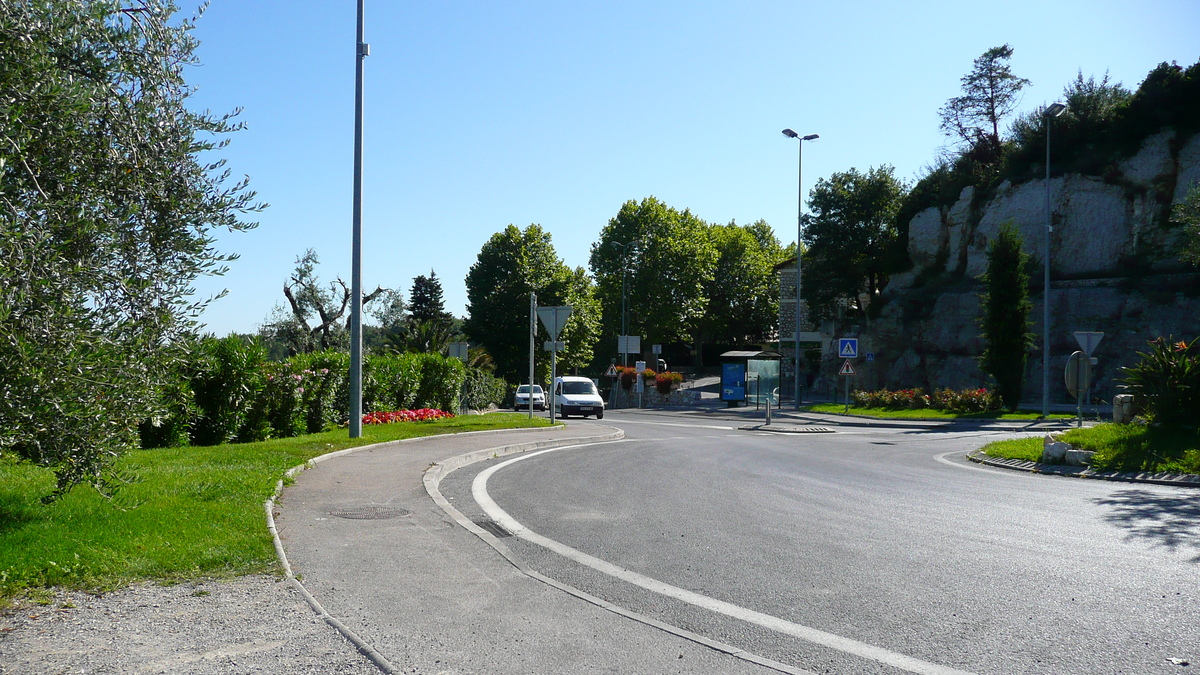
(553, 365)
(532, 345)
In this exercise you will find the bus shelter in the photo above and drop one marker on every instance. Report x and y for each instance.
(750, 377)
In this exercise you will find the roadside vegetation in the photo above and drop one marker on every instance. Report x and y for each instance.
(925, 413)
(1118, 447)
(1165, 384)
(940, 404)
(177, 513)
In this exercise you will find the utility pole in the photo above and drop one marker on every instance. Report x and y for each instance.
(356, 356)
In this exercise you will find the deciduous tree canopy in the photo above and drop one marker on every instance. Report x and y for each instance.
(510, 266)
(849, 232)
(668, 258)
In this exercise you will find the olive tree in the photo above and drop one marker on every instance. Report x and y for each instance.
(108, 205)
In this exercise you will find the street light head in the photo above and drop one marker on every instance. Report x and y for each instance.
(810, 137)
(790, 134)
(1054, 110)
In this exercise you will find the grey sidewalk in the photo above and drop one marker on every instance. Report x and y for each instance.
(431, 597)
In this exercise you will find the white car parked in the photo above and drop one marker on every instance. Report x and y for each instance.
(521, 400)
(577, 396)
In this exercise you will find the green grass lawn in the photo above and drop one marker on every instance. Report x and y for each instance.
(1119, 447)
(928, 413)
(184, 512)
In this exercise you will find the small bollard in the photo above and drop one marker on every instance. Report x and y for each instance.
(768, 411)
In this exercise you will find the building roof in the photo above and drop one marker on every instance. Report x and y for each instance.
(738, 354)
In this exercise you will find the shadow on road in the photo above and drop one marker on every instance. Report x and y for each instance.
(1171, 521)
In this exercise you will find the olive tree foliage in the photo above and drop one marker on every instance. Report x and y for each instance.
(668, 259)
(1005, 321)
(990, 93)
(743, 292)
(849, 232)
(316, 318)
(107, 212)
(512, 264)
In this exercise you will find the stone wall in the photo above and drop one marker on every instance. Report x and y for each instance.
(652, 399)
(1113, 269)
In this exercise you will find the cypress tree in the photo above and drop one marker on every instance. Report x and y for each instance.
(1005, 322)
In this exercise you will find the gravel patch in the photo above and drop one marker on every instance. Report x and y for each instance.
(254, 624)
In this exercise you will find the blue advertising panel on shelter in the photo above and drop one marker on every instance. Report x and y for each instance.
(733, 382)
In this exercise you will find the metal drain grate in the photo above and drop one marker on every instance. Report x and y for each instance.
(370, 512)
(492, 527)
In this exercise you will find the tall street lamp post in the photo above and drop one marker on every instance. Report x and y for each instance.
(624, 268)
(799, 227)
(1053, 110)
(356, 356)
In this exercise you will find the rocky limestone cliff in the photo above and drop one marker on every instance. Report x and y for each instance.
(1113, 269)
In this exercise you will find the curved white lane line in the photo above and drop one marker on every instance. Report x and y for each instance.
(971, 467)
(847, 645)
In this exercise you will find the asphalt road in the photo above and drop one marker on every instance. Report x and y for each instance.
(860, 551)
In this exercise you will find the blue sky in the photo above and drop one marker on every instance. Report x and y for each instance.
(482, 114)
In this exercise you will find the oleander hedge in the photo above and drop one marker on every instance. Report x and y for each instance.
(226, 391)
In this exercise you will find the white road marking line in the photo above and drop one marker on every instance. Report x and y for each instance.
(673, 424)
(819, 637)
(971, 467)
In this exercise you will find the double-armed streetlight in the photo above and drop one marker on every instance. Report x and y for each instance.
(799, 228)
(624, 268)
(1053, 110)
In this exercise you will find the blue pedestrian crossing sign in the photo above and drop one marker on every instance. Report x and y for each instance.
(848, 348)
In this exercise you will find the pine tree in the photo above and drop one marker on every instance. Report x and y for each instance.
(990, 93)
(426, 304)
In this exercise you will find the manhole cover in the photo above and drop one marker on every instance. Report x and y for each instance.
(370, 512)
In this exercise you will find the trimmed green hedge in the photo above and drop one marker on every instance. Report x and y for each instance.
(226, 391)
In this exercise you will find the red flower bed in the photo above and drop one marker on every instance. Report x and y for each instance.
(422, 415)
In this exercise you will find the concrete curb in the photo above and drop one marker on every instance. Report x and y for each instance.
(1157, 478)
(361, 645)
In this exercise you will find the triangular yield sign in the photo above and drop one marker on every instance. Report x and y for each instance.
(554, 318)
(1088, 341)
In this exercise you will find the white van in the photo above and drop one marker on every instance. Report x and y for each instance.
(577, 396)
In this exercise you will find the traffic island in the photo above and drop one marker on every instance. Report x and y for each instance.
(1155, 477)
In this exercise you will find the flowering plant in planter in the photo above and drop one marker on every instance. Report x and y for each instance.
(666, 381)
(422, 415)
